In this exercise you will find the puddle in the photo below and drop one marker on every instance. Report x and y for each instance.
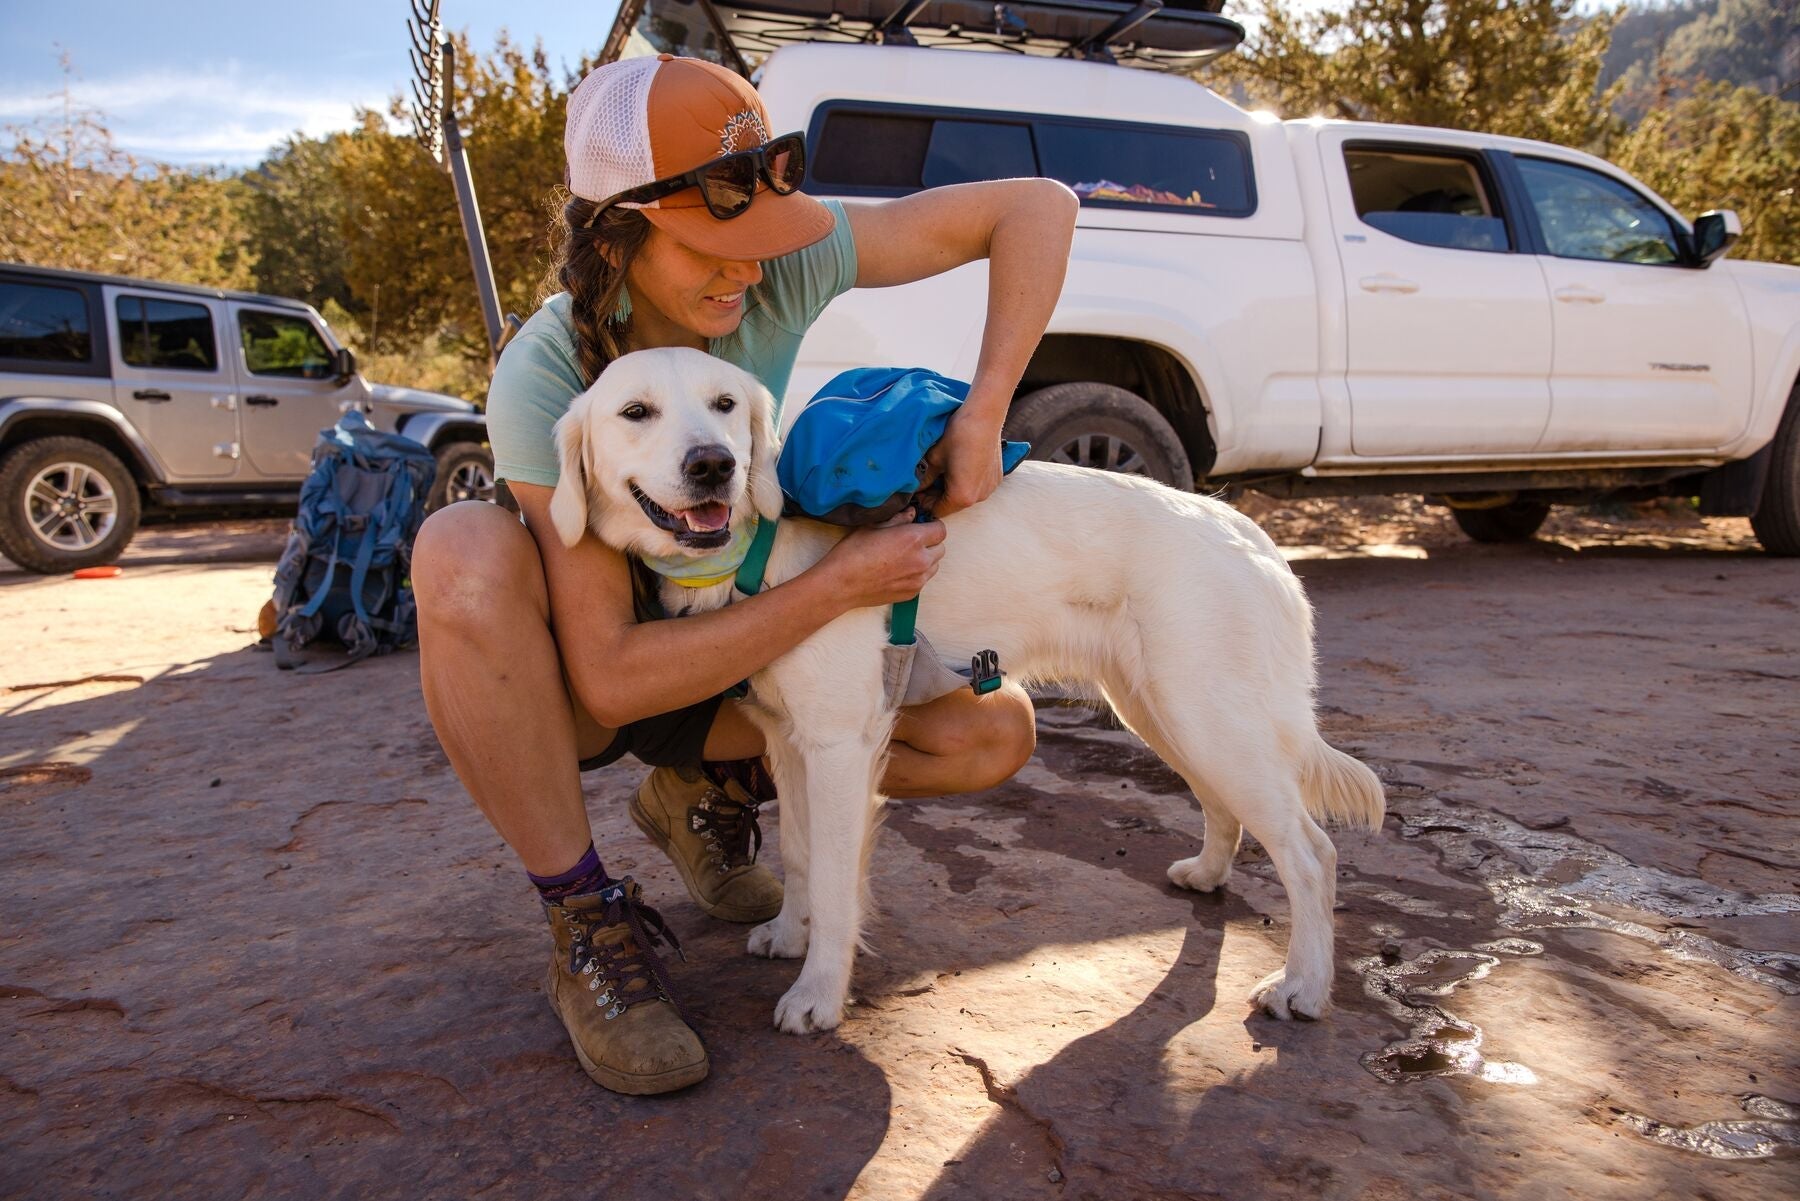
(1771, 1126)
(1438, 1043)
(1547, 879)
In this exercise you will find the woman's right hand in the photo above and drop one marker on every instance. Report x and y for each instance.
(887, 563)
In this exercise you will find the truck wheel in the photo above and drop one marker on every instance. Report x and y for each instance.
(465, 471)
(1098, 425)
(65, 503)
(1512, 522)
(1777, 517)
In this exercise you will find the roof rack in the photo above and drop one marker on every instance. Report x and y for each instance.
(1154, 34)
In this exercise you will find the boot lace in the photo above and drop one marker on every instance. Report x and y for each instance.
(612, 969)
(730, 829)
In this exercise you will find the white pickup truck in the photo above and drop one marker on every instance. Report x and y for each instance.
(1304, 307)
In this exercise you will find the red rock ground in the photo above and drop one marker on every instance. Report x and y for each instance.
(256, 942)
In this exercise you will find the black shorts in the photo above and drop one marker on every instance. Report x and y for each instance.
(668, 739)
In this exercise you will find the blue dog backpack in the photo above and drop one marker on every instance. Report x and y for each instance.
(344, 574)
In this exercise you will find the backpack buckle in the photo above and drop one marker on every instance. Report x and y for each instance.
(984, 673)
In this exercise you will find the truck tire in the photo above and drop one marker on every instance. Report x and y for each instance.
(465, 471)
(65, 503)
(1098, 425)
(1777, 517)
(1514, 521)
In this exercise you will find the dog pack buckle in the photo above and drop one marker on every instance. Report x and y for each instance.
(984, 673)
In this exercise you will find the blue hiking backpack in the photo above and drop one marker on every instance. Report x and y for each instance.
(345, 573)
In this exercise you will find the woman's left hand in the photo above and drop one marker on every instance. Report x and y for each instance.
(967, 459)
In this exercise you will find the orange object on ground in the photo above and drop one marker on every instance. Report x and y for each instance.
(99, 573)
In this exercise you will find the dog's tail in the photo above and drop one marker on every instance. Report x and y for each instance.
(1340, 789)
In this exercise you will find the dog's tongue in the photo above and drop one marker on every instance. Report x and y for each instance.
(706, 518)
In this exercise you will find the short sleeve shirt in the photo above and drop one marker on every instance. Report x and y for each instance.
(539, 373)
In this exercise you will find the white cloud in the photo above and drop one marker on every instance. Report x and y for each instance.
(208, 115)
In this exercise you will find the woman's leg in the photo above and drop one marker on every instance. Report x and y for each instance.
(960, 743)
(494, 686)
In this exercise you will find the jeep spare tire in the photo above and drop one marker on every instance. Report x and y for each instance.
(65, 503)
(1098, 425)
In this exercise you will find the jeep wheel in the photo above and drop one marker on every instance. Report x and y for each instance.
(1098, 425)
(65, 503)
(465, 471)
(1514, 521)
(1777, 517)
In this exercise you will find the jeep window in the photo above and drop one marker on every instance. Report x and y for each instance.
(44, 324)
(890, 151)
(1586, 215)
(282, 344)
(166, 334)
(1137, 166)
(1431, 199)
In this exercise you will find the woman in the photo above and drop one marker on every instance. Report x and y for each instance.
(535, 656)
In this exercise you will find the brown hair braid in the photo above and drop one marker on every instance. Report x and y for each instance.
(590, 264)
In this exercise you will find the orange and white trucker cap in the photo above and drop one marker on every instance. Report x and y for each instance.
(639, 120)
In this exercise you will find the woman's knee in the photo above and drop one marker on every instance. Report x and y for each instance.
(472, 561)
(1009, 736)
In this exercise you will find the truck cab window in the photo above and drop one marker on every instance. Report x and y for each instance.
(1431, 199)
(1587, 215)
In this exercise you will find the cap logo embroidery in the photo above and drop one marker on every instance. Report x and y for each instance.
(741, 129)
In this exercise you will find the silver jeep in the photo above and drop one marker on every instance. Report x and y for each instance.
(119, 396)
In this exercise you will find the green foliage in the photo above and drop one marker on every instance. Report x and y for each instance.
(1725, 147)
(1663, 48)
(69, 197)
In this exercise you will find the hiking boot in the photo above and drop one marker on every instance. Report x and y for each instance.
(609, 988)
(711, 835)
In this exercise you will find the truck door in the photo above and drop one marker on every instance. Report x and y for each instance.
(1650, 354)
(1448, 324)
(290, 392)
(168, 378)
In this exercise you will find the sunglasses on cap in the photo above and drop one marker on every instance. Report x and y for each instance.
(727, 184)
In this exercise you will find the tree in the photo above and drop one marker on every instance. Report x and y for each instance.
(294, 216)
(1523, 67)
(69, 197)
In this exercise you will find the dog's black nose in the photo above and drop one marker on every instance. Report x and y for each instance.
(708, 465)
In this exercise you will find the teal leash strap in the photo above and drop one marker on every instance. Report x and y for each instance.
(902, 618)
(756, 560)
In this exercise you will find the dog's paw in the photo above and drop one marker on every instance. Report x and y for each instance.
(1284, 997)
(1196, 874)
(807, 1007)
(778, 939)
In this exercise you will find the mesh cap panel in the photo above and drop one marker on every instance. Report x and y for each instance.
(608, 135)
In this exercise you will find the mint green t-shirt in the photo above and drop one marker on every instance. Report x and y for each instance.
(539, 373)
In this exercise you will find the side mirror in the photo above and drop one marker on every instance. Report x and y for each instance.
(343, 365)
(1714, 232)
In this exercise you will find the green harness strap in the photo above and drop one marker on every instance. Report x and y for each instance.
(901, 617)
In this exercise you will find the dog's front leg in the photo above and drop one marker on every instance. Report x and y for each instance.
(784, 937)
(840, 810)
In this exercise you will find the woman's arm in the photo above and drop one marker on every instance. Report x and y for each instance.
(623, 670)
(1024, 228)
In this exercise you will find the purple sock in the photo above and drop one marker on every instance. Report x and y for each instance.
(585, 877)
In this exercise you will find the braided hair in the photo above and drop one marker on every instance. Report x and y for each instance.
(594, 281)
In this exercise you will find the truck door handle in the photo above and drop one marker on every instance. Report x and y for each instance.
(1387, 283)
(154, 395)
(1579, 295)
(261, 401)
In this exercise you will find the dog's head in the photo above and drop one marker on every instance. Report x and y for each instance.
(666, 455)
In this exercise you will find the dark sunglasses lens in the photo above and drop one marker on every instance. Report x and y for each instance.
(786, 157)
(728, 185)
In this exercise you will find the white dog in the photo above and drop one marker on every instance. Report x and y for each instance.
(1177, 608)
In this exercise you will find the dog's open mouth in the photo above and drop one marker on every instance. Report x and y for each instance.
(703, 527)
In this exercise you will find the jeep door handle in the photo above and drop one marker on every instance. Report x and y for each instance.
(154, 395)
(1387, 283)
(261, 401)
(1579, 295)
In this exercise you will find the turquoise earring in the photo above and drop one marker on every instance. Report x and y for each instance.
(622, 311)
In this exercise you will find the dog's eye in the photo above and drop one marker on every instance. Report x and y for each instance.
(725, 404)
(635, 412)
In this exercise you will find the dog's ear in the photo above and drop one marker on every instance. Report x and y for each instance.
(569, 503)
(765, 449)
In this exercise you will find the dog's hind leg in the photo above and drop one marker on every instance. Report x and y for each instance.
(784, 936)
(840, 811)
(1306, 862)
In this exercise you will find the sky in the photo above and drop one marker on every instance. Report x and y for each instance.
(210, 82)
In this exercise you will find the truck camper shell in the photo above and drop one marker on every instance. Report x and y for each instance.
(1154, 34)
